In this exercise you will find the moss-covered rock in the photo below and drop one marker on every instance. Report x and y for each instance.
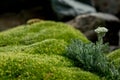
(12, 48)
(46, 42)
(37, 32)
(114, 55)
(22, 66)
(117, 63)
(48, 46)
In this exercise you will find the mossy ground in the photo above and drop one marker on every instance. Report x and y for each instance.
(114, 57)
(40, 67)
(36, 52)
(29, 34)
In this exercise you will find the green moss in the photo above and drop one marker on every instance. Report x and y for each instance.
(40, 67)
(65, 73)
(48, 46)
(12, 48)
(40, 39)
(29, 34)
(117, 63)
(114, 55)
(114, 58)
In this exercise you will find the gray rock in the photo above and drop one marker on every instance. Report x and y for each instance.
(105, 16)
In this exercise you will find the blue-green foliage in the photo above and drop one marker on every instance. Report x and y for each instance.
(90, 57)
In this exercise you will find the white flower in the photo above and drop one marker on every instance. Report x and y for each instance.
(101, 30)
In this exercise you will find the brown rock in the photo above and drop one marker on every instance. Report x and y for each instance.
(88, 22)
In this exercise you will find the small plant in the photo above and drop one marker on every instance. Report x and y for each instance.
(91, 57)
(101, 31)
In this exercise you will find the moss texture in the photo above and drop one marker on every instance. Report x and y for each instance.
(117, 63)
(35, 52)
(48, 46)
(40, 67)
(29, 34)
(114, 55)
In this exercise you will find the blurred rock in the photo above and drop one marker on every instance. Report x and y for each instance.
(17, 12)
(10, 20)
(13, 19)
(107, 6)
(88, 22)
(112, 48)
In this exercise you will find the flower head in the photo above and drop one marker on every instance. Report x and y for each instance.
(101, 30)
